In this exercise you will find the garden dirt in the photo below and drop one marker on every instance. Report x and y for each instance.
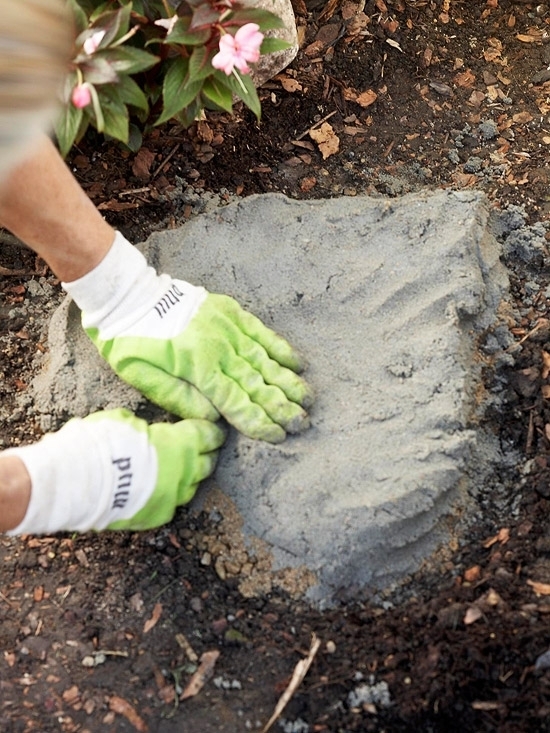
(104, 632)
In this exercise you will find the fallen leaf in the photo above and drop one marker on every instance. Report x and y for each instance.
(122, 707)
(326, 139)
(157, 611)
(141, 167)
(545, 364)
(541, 589)
(202, 675)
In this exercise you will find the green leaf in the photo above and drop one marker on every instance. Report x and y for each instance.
(79, 16)
(181, 34)
(249, 95)
(98, 112)
(264, 18)
(130, 60)
(135, 138)
(97, 69)
(98, 9)
(66, 127)
(272, 45)
(138, 6)
(177, 91)
(116, 120)
(204, 16)
(216, 90)
(131, 93)
(115, 23)
(188, 115)
(200, 63)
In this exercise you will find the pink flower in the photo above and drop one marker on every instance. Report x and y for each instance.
(81, 96)
(238, 49)
(91, 44)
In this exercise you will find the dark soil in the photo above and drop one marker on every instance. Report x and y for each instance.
(424, 93)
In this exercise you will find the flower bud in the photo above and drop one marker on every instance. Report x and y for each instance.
(81, 96)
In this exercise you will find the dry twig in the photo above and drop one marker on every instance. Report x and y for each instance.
(298, 675)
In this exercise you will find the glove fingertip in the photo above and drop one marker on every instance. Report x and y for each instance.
(298, 424)
(274, 434)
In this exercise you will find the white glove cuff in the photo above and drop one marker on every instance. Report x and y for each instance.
(123, 295)
(101, 290)
(86, 476)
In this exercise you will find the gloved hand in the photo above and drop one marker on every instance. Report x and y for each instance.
(193, 353)
(112, 470)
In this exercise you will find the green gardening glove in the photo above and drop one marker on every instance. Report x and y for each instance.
(112, 470)
(193, 353)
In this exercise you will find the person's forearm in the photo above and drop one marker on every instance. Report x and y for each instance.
(15, 492)
(44, 206)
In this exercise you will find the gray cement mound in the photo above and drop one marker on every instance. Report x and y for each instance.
(386, 299)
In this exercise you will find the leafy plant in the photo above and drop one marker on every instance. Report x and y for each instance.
(139, 63)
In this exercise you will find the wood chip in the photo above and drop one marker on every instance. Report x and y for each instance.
(202, 675)
(190, 653)
(473, 614)
(290, 85)
(326, 139)
(541, 589)
(363, 99)
(122, 707)
(472, 574)
(465, 78)
(522, 118)
(141, 167)
(487, 706)
(151, 622)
